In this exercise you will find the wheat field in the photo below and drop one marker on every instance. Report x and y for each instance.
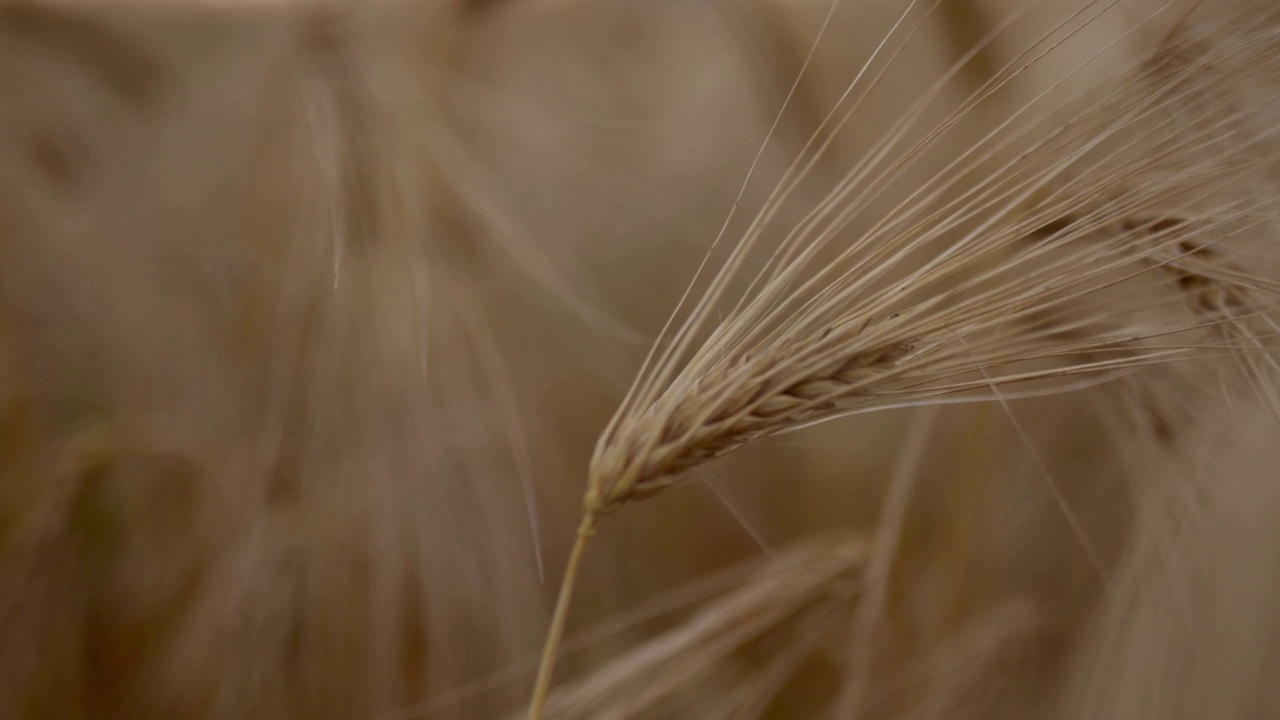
(612, 359)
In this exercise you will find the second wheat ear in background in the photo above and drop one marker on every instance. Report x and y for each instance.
(1035, 262)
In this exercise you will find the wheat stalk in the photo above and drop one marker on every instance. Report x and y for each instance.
(1036, 255)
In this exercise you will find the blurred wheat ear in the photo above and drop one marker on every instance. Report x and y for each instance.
(791, 602)
(1089, 234)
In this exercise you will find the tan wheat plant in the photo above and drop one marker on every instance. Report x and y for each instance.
(1085, 237)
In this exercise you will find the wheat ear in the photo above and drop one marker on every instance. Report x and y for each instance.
(943, 298)
(819, 339)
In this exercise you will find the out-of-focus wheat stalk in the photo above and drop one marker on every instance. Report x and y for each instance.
(1087, 234)
(796, 597)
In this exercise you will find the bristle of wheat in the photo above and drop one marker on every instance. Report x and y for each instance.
(820, 339)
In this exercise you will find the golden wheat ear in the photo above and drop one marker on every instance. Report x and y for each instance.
(1093, 232)
(1050, 264)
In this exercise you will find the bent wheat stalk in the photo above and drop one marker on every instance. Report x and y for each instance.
(1087, 234)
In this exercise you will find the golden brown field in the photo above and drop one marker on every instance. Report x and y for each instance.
(612, 359)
